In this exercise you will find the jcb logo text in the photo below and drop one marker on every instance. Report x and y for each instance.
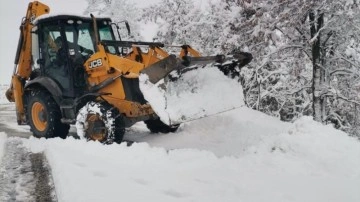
(95, 63)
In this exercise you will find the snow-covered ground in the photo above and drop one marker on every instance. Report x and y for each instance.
(241, 155)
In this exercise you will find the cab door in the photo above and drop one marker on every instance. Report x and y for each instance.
(54, 64)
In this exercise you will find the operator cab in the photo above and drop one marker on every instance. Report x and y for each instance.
(63, 43)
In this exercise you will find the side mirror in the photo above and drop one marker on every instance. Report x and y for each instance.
(126, 24)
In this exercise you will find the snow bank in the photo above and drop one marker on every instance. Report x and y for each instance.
(231, 133)
(241, 155)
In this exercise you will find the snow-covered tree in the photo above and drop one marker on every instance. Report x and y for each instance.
(118, 11)
(301, 55)
(181, 22)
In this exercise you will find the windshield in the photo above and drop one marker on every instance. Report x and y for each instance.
(105, 31)
(81, 33)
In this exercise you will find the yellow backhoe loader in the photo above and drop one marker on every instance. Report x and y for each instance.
(73, 69)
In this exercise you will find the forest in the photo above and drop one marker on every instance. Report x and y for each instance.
(305, 52)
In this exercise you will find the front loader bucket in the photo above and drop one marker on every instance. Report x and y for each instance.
(192, 88)
(161, 69)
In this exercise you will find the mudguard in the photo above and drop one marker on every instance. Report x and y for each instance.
(49, 85)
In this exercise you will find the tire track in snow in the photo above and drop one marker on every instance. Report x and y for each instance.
(11, 132)
(24, 176)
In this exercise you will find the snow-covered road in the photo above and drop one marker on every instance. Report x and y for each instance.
(242, 155)
(24, 176)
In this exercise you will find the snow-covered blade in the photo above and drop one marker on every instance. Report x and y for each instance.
(191, 93)
(180, 90)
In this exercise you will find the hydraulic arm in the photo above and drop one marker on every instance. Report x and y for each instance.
(23, 59)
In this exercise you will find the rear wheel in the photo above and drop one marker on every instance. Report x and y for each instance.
(100, 122)
(157, 126)
(44, 116)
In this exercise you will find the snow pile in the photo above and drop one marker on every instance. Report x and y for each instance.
(229, 134)
(197, 93)
(241, 155)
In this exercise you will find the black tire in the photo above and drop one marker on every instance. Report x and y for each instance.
(44, 115)
(157, 126)
(101, 122)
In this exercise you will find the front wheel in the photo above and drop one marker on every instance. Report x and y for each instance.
(44, 115)
(100, 122)
(157, 126)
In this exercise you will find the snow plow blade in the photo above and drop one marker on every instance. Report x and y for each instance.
(181, 90)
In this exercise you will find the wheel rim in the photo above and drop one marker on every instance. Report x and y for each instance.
(39, 117)
(95, 128)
